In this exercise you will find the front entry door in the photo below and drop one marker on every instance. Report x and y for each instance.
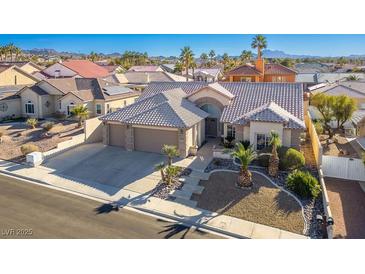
(211, 127)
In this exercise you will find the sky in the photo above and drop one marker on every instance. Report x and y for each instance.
(170, 44)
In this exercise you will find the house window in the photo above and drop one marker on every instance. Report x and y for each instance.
(107, 108)
(70, 107)
(262, 141)
(245, 79)
(98, 109)
(29, 107)
(278, 79)
(231, 131)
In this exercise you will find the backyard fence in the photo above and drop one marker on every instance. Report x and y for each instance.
(316, 144)
(63, 146)
(326, 203)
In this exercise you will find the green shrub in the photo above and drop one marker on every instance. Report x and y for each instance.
(32, 122)
(292, 159)
(263, 160)
(47, 126)
(303, 184)
(28, 148)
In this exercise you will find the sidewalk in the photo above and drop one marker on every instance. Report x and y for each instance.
(193, 216)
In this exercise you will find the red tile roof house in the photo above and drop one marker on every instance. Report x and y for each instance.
(75, 68)
(184, 114)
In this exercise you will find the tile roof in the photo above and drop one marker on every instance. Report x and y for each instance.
(145, 68)
(248, 96)
(351, 88)
(147, 77)
(86, 68)
(271, 112)
(244, 70)
(165, 109)
(272, 68)
(209, 71)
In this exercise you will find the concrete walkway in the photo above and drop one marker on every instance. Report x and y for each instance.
(144, 202)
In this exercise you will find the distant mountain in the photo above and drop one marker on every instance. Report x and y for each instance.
(267, 53)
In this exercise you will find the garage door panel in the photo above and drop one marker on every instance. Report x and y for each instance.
(117, 135)
(152, 140)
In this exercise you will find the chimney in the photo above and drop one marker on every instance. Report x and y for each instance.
(260, 65)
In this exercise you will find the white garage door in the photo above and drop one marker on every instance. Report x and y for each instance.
(117, 135)
(152, 140)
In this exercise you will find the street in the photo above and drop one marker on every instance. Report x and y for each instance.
(29, 211)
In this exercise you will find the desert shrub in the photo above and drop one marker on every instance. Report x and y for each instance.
(32, 122)
(303, 184)
(292, 159)
(245, 143)
(47, 126)
(171, 172)
(28, 148)
(318, 127)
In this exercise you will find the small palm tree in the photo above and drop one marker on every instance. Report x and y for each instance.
(171, 152)
(352, 78)
(160, 167)
(275, 142)
(245, 156)
(170, 173)
(81, 112)
(246, 55)
(32, 122)
(259, 42)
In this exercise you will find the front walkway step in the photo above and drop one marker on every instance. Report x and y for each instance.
(181, 194)
(186, 202)
(189, 180)
(199, 174)
(197, 189)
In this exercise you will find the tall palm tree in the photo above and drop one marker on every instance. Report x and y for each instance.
(193, 66)
(18, 52)
(186, 57)
(204, 58)
(2, 52)
(245, 156)
(226, 61)
(212, 55)
(246, 55)
(81, 112)
(275, 142)
(11, 50)
(171, 152)
(259, 42)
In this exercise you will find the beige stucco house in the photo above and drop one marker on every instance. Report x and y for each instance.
(185, 114)
(14, 75)
(60, 96)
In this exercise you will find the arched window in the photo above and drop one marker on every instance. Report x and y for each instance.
(29, 107)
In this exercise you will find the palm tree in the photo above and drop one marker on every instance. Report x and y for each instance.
(259, 42)
(160, 167)
(2, 52)
(186, 58)
(204, 58)
(245, 156)
(212, 55)
(246, 55)
(275, 142)
(81, 112)
(193, 66)
(17, 52)
(179, 67)
(11, 50)
(171, 152)
(226, 61)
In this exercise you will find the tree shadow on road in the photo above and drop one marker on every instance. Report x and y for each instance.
(106, 208)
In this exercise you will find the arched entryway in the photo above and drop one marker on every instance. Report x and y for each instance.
(213, 127)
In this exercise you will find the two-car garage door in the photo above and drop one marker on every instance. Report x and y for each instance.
(152, 140)
(117, 135)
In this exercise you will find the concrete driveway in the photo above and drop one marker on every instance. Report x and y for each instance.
(107, 165)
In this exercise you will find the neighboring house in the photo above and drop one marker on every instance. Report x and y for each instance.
(75, 68)
(113, 69)
(312, 68)
(168, 67)
(148, 68)
(14, 75)
(205, 74)
(261, 72)
(317, 78)
(60, 96)
(184, 114)
(28, 67)
(9, 102)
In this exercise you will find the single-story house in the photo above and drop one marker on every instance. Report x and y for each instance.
(11, 74)
(27, 66)
(184, 114)
(74, 68)
(60, 96)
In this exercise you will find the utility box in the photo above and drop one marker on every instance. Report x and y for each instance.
(34, 158)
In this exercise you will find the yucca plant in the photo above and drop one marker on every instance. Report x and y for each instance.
(274, 160)
(32, 122)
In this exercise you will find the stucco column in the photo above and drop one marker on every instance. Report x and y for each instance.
(182, 143)
(129, 138)
(105, 133)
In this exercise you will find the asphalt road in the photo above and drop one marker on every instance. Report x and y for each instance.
(36, 212)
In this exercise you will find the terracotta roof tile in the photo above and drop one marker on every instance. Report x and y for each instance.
(244, 70)
(278, 69)
(86, 68)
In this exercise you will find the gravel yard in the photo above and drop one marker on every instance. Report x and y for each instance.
(18, 134)
(264, 203)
